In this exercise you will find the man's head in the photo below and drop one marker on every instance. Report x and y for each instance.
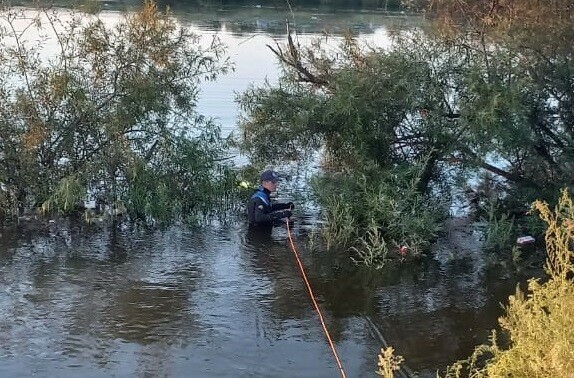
(269, 180)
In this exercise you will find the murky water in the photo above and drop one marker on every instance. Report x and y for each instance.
(217, 301)
(221, 302)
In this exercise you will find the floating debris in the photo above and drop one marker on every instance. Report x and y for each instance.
(525, 240)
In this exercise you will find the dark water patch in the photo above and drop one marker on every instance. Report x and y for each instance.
(221, 301)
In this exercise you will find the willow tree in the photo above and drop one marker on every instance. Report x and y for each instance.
(364, 108)
(516, 95)
(485, 89)
(108, 109)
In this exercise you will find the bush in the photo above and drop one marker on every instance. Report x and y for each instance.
(389, 363)
(112, 113)
(376, 212)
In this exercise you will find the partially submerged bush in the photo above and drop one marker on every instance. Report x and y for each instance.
(500, 231)
(111, 113)
(371, 249)
(376, 212)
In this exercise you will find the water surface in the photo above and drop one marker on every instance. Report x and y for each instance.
(220, 302)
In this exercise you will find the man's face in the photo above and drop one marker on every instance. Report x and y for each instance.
(270, 185)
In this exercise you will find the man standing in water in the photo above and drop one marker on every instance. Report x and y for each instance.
(262, 213)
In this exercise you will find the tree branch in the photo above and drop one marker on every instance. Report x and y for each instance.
(293, 59)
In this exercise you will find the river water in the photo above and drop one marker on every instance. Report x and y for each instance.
(217, 301)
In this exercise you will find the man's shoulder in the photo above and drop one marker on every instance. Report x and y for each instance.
(260, 197)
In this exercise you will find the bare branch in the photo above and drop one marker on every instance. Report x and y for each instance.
(292, 58)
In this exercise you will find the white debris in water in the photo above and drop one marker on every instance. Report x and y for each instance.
(524, 240)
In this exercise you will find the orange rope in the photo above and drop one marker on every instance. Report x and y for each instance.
(314, 301)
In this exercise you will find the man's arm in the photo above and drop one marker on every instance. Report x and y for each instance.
(263, 214)
(282, 206)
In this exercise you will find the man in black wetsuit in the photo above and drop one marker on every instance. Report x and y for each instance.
(262, 213)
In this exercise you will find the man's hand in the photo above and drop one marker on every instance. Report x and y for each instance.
(286, 214)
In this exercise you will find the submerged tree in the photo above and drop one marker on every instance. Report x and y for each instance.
(111, 113)
(364, 108)
(485, 88)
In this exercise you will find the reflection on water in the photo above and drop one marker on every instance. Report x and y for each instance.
(272, 18)
(273, 21)
(223, 302)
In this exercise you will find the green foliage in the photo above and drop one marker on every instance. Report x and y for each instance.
(364, 108)
(340, 228)
(360, 108)
(373, 210)
(276, 127)
(484, 89)
(500, 232)
(492, 95)
(113, 109)
(513, 89)
(371, 249)
(188, 182)
(67, 196)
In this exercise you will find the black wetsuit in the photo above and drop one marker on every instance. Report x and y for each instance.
(262, 212)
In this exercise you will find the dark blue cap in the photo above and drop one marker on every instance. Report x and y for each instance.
(269, 175)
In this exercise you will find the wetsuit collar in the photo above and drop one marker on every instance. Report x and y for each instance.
(264, 190)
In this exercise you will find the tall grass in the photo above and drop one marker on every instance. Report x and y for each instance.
(371, 249)
(500, 231)
(340, 224)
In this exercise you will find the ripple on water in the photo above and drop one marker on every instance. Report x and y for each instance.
(214, 301)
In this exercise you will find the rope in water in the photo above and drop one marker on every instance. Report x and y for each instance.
(331, 344)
